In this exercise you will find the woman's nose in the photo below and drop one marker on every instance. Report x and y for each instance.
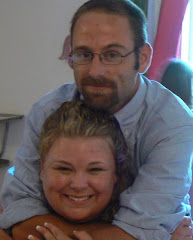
(79, 182)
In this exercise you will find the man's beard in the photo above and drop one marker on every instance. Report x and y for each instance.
(100, 100)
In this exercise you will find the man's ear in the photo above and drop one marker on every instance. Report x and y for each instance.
(145, 57)
(70, 63)
(66, 51)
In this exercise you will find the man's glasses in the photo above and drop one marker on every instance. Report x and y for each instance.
(81, 57)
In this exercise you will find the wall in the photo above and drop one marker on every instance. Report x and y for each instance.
(153, 18)
(31, 38)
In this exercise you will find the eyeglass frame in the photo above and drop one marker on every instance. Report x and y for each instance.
(101, 57)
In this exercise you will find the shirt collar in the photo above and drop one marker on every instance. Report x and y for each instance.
(133, 106)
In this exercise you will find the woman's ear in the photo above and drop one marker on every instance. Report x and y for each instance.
(115, 178)
(41, 171)
(145, 57)
(41, 174)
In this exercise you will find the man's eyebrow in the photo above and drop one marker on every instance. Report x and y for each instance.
(115, 45)
(82, 48)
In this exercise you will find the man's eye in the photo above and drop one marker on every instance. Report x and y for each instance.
(83, 55)
(87, 55)
(111, 55)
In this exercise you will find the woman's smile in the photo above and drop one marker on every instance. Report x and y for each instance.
(78, 199)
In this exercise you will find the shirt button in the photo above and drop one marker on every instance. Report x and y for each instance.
(126, 133)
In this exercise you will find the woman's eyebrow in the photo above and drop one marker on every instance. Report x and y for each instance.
(63, 162)
(96, 162)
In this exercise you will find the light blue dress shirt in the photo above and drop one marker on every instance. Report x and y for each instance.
(158, 128)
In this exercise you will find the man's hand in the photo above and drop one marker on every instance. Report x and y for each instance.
(4, 235)
(184, 230)
(1, 210)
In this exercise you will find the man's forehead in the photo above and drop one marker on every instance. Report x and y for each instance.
(104, 27)
(96, 16)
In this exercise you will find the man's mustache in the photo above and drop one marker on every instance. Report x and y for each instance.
(99, 82)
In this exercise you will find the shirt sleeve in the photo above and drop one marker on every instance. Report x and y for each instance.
(22, 195)
(158, 200)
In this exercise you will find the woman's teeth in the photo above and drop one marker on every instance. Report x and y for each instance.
(78, 198)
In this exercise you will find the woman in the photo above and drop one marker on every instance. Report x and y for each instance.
(84, 167)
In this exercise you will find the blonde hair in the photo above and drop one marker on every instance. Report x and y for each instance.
(76, 119)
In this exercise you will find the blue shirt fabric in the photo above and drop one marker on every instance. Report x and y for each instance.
(158, 128)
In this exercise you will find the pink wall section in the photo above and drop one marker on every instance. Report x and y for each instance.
(169, 30)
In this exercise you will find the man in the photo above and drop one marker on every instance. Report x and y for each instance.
(109, 53)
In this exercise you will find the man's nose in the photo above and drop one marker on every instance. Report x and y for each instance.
(97, 68)
(79, 182)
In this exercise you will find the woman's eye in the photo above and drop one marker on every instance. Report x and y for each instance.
(96, 169)
(64, 169)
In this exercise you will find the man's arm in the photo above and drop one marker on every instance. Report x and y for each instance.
(22, 195)
(158, 200)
